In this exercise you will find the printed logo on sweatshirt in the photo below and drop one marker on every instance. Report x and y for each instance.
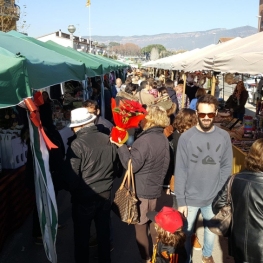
(208, 159)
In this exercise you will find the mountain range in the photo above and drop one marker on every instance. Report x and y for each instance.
(180, 41)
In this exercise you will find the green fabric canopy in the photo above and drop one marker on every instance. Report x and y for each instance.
(92, 69)
(120, 64)
(91, 64)
(44, 67)
(13, 79)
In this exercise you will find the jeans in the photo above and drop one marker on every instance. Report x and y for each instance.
(209, 237)
(97, 209)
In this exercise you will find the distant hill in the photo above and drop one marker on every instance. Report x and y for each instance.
(186, 41)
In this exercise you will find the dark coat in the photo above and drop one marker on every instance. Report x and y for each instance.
(90, 164)
(173, 97)
(168, 254)
(246, 237)
(237, 106)
(190, 91)
(150, 160)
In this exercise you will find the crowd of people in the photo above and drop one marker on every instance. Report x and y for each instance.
(177, 149)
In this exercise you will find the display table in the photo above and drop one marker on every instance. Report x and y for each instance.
(17, 201)
(238, 159)
(238, 162)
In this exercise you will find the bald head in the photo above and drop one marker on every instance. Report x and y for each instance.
(118, 82)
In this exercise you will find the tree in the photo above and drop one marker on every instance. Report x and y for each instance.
(149, 48)
(113, 44)
(127, 49)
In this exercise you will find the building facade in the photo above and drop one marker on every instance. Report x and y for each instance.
(260, 16)
(9, 15)
(79, 43)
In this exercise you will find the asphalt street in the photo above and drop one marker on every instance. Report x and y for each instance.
(20, 247)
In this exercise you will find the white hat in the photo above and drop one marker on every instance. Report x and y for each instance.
(80, 117)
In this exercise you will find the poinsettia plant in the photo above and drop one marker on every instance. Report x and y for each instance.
(126, 115)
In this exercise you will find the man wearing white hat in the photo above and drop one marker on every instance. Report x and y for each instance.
(90, 163)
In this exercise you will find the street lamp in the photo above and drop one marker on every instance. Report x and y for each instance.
(71, 30)
(214, 37)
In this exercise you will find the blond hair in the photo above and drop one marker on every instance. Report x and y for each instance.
(156, 116)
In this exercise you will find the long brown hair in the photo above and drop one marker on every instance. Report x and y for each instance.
(184, 120)
(176, 239)
(254, 159)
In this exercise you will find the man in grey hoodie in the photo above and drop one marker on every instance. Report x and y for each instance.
(203, 164)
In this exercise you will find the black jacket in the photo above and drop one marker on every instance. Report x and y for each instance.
(90, 164)
(168, 254)
(246, 237)
(173, 97)
(237, 106)
(150, 160)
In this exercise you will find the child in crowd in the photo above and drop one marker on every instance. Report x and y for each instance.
(170, 237)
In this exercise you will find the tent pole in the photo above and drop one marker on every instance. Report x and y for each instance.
(224, 87)
(213, 85)
(184, 79)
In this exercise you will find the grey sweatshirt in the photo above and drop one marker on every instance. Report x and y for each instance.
(203, 164)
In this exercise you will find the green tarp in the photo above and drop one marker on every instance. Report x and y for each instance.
(13, 79)
(92, 69)
(92, 64)
(44, 67)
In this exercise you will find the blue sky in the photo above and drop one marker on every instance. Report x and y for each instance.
(136, 17)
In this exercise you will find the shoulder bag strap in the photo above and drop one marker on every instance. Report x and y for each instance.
(229, 187)
(126, 176)
(132, 180)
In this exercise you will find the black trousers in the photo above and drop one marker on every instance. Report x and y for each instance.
(98, 209)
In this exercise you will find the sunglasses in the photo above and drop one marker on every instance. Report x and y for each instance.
(210, 114)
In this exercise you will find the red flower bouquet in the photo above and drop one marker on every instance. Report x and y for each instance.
(127, 115)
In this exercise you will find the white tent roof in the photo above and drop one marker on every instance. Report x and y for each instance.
(246, 58)
(156, 63)
(166, 63)
(204, 60)
(180, 64)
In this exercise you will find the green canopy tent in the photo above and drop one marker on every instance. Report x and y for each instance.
(13, 79)
(25, 66)
(120, 64)
(44, 67)
(92, 68)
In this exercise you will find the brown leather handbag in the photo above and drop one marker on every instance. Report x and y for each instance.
(221, 222)
(125, 203)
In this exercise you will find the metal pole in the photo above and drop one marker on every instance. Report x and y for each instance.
(89, 32)
(224, 87)
(183, 100)
(72, 40)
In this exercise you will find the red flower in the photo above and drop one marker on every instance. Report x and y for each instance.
(126, 116)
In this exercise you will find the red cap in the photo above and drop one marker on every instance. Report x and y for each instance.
(168, 218)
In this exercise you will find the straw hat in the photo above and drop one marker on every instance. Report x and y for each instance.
(80, 117)
(164, 101)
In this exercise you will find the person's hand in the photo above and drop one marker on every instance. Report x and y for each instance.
(118, 144)
(168, 191)
(183, 210)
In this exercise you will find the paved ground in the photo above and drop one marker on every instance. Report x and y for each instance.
(21, 249)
